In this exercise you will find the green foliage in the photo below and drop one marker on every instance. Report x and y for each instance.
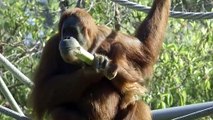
(22, 35)
(185, 69)
(183, 74)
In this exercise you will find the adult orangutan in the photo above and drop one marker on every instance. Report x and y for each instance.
(68, 89)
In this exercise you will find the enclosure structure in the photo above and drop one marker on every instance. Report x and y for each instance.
(188, 112)
(177, 113)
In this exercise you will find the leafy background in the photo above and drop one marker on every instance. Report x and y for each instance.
(183, 74)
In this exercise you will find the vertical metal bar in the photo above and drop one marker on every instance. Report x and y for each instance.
(9, 97)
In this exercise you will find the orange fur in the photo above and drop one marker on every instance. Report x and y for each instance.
(66, 91)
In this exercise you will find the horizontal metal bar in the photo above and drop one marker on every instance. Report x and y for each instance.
(12, 113)
(198, 114)
(174, 112)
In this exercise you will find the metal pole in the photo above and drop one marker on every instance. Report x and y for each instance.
(197, 114)
(19, 75)
(12, 113)
(9, 97)
(175, 112)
